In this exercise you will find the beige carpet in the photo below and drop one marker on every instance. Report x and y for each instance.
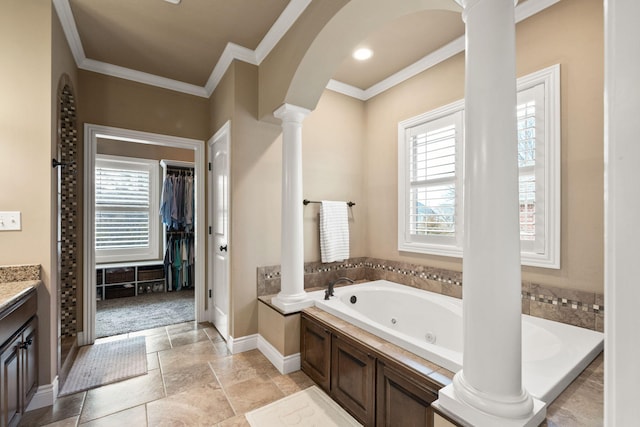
(108, 362)
(310, 407)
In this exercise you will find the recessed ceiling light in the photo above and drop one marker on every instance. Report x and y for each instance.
(173, 1)
(363, 54)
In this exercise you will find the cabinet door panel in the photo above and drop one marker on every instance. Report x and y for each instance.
(315, 348)
(353, 380)
(29, 362)
(10, 384)
(401, 400)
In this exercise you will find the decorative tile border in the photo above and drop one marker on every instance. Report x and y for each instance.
(68, 211)
(564, 302)
(579, 308)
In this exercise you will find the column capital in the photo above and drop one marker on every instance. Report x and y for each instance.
(291, 113)
(467, 5)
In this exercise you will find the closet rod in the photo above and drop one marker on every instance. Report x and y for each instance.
(306, 202)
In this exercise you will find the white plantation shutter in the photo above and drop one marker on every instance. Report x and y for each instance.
(126, 224)
(432, 169)
(430, 200)
(530, 124)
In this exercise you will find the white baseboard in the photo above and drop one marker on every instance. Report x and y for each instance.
(44, 396)
(81, 339)
(284, 364)
(242, 344)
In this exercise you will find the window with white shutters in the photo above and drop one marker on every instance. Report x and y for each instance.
(430, 152)
(126, 217)
(432, 197)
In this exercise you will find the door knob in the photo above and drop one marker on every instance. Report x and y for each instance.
(223, 248)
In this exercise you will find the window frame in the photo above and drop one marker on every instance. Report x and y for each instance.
(152, 252)
(548, 254)
(435, 245)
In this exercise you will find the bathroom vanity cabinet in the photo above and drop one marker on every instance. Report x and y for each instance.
(374, 388)
(18, 359)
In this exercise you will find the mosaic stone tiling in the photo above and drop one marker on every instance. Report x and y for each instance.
(68, 212)
(18, 273)
(555, 303)
(564, 302)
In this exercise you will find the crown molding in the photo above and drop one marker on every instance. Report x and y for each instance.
(70, 30)
(232, 51)
(434, 58)
(531, 7)
(285, 21)
(523, 11)
(347, 89)
(141, 77)
(236, 52)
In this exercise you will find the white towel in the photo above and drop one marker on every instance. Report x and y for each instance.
(334, 231)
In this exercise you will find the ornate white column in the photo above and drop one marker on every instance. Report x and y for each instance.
(488, 390)
(292, 296)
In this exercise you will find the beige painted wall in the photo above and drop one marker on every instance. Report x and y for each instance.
(26, 148)
(333, 140)
(110, 101)
(569, 33)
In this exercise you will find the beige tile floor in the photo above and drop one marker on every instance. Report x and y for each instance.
(192, 380)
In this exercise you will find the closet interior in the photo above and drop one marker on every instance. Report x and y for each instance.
(139, 293)
(177, 212)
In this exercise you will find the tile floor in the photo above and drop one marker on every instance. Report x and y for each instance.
(192, 380)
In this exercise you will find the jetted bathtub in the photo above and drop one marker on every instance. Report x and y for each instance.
(430, 325)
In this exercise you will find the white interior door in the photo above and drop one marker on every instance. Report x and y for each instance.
(219, 252)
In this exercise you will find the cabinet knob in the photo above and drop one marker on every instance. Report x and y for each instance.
(223, 248)
(23, 345)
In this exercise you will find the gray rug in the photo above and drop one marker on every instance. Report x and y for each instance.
(122, 315)
(105, 363)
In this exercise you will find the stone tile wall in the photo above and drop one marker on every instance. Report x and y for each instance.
(579, 308)
(68, 219)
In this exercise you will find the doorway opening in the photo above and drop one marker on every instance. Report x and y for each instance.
(141, 273)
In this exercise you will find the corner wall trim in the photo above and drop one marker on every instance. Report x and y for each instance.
(284, 364)
(45, 395)
(242, 344)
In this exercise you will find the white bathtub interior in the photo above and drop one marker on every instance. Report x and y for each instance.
(430, 325)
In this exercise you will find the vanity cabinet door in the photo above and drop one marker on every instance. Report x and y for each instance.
(402, 401)
(29, 362)
(10, 383)
(353, 379)
(315, 349)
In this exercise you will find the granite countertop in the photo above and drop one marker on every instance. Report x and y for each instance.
(12, 292)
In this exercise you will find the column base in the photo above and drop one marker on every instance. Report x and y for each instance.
(466, 414)
(292, 303)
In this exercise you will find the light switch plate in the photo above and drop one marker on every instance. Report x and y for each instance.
(10, 221)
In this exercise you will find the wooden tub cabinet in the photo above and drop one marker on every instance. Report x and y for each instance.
(374, 388)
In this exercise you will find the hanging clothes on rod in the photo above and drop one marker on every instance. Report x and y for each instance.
(176, 206)
(178, 261)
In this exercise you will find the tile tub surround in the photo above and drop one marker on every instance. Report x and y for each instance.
(578, 308)
(18, 273)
